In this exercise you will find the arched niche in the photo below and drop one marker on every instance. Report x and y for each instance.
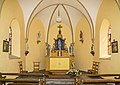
(104, 38)
(65, 31)
(14, 42)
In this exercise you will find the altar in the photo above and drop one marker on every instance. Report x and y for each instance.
(59, 56)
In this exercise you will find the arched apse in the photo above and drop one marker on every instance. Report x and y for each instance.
(36, 50)
(36, 12)
(112, 14)
(65, 31)
(83, 57)
(104, 39)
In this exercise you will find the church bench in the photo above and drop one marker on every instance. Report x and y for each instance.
(22, 84)
(98, 81)
(57, 78)
(23, 81)
(25, 78)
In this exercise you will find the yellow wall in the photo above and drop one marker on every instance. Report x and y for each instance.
(83, 58)
(109, 11)
(10, 10)
(36, 51)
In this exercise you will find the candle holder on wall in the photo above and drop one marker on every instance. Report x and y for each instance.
(38, 37)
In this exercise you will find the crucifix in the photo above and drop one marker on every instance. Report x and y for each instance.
(59, 26)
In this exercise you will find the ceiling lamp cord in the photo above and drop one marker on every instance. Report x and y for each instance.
(58, 20)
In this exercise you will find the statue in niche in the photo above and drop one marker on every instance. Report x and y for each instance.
(71, 49)
(59, 44)
(81, 36)
(47, 49)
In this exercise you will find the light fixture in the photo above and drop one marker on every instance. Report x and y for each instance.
(26, 48)
(58, 20)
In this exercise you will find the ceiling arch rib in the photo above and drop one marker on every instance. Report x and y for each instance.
(51, 21)
(46, 3)
(41, 5)
(90, 20)
(53, 18)
(44, 17)
(70, 23)
(44, 11)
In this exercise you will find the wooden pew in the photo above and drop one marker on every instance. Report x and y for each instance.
(22, 81)
(25, 81)
(80, 80)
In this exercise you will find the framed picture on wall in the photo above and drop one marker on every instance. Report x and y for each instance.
(115, 47)
(5, 46)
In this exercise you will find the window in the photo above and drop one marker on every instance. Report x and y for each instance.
(14, 39)
(105, 39)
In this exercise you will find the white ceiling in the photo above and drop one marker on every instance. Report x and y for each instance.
(70, 11)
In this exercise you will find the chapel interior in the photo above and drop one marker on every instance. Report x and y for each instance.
(60, 35)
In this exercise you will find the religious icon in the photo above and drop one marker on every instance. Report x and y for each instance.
(5, 46)
(115, 46)
(59, 44)
(48, 49)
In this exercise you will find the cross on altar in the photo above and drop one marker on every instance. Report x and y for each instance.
(59, 26)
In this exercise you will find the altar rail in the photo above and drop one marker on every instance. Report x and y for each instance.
(79, 79)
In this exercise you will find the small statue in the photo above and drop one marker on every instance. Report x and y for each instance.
(81, 36)
(47, 49)
(71, 49)
(73, 64)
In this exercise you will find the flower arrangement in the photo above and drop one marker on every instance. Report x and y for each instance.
(73, 72)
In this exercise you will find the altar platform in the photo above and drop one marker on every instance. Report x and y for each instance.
(57, 77)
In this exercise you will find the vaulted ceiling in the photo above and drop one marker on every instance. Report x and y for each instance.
(70, 11)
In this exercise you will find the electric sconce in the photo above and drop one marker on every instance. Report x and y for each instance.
(38, 37)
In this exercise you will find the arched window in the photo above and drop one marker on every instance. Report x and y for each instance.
(105, 39)
(10, 40)
(14, 39)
